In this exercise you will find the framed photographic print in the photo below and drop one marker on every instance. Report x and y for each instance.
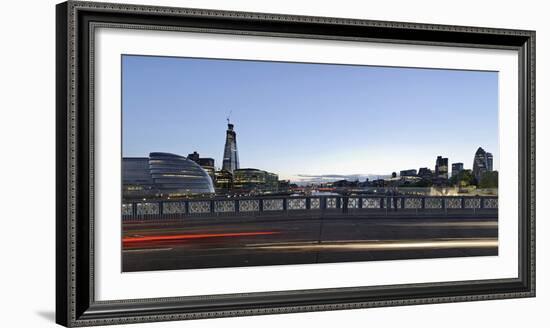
(214, 163)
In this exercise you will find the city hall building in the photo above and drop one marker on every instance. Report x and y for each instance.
(163, 175)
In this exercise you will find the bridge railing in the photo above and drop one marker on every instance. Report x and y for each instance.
(173, 209)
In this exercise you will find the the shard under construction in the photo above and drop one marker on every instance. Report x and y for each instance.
(230, 154)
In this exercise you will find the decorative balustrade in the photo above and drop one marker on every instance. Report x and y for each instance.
(289, 205)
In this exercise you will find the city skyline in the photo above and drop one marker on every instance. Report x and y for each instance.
(301, 136)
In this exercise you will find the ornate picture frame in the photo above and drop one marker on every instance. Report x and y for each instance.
(76, 304)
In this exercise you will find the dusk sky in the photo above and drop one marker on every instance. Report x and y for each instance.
(300, 120)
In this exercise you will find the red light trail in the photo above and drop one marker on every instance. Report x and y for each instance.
(195, 236)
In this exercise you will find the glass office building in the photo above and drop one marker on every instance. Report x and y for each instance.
(442, 167)
(230, 153)
(164, 175)
(457, 168)
(255, 180)
(224, 181)
(483, 162)
(136, 178)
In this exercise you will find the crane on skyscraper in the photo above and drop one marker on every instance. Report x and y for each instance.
(229, 116)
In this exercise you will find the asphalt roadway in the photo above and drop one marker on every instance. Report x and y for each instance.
(278, 240)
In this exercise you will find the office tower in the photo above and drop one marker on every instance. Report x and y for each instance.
(230, 154)
(457, 168)
(224, 181)
(253, 179)
(206, 163)
(194, 157)
(442, 167)
(489, 162)
(425, 173)
(483, 162)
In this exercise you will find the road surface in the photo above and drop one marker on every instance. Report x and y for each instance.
(230, 242)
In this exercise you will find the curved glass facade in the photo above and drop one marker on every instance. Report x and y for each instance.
(175, 175)
(480, 163)
(136, 178)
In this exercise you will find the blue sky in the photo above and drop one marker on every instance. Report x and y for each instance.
(299, 119)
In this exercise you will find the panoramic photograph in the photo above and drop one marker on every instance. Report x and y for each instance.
(233, 163)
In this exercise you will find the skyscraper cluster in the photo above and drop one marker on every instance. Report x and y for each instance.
(171, 175)
(482, 164)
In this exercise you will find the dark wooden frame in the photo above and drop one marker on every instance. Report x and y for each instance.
(75, 302)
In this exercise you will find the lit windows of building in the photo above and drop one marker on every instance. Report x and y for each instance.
(164, 175)
(442, 167)
(272, 181)
(224, 181)
(249, 180)
(176, 175)
(136, 178)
